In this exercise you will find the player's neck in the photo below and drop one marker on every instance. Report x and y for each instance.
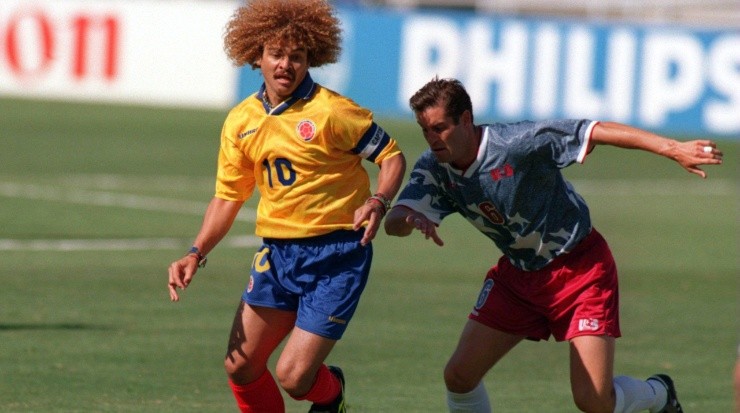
(472, 150)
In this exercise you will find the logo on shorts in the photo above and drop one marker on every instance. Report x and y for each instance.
(260, 262)
(483, 296)
(251, 284)
(337, 320)
(306, 129)
(588, 324)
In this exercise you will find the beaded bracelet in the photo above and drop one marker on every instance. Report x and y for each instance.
(381, 200)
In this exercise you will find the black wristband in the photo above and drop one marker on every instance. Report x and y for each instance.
(202, 260)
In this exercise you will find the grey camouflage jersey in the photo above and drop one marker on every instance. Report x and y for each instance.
(514, 192)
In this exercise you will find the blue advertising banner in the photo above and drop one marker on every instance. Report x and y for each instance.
(668, 79)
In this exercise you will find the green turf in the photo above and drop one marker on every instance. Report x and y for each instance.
(84, 331)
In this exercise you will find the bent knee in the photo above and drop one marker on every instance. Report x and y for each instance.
(294, 380)
(458, 380)
(233, 365)
(241, 370)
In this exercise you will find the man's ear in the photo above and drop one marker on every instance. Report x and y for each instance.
(466, 118)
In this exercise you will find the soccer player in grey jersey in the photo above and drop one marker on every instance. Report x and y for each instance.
(557, 276)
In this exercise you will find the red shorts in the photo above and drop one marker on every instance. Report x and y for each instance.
(574, 295)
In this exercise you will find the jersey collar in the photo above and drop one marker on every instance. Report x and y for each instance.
(473, 167)
(304, 91)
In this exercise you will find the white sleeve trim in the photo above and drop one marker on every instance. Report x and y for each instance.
(586, 141)
(418, 206)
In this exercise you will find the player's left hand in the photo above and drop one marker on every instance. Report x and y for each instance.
(425, 226)
(373, 215)
(691, 154)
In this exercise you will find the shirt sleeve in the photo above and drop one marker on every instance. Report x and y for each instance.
(562, 142)
(235, 179)
(359, 134)
(587, 141)
(424, 192)
(376, 145)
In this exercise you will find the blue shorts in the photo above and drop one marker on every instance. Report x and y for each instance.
(320, 278)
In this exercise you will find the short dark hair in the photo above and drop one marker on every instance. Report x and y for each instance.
(447, 92)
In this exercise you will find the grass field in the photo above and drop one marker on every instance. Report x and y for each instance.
(95, 201)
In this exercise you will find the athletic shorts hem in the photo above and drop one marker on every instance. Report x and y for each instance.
(331, 336)
(267, 305)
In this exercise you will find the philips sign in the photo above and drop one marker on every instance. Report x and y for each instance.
(659, 78)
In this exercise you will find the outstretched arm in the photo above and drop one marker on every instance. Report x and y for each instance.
(690, 154)
(217, 221)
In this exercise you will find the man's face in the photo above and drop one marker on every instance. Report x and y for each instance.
(450, 143)
(284, 66)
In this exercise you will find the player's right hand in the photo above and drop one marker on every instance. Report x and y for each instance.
(181, 273)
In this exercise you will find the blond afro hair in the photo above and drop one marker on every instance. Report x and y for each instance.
(310, 23)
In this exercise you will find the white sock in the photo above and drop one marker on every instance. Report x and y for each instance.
(475, 401)
(636, 395)
(661, 394)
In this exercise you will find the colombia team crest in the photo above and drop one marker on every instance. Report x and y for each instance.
(306, 130)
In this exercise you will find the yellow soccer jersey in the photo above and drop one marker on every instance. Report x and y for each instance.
(304, 156)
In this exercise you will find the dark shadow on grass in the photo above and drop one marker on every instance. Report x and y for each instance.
(51, 326)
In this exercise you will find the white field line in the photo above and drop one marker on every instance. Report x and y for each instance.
(141, 244)
(69, 193)
(112, 199)
(126, 182)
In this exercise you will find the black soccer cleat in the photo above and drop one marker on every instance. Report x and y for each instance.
(337, 406)
(672, 404)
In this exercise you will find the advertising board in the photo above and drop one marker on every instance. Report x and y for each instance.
(669, 79)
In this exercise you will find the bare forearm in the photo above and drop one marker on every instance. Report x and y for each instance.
(217, 221)
(391, 176)
(628, 137)
(689, 154)
(389, 181)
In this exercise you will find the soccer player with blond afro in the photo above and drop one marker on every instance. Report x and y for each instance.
(301, 146)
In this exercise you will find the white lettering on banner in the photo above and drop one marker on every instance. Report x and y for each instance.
(430, 47)
(646, 76)
(621, 60)
(581, 99)
(504, 66)
(545, 60)
(672, 76)
(724, 75)
(34, 45)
